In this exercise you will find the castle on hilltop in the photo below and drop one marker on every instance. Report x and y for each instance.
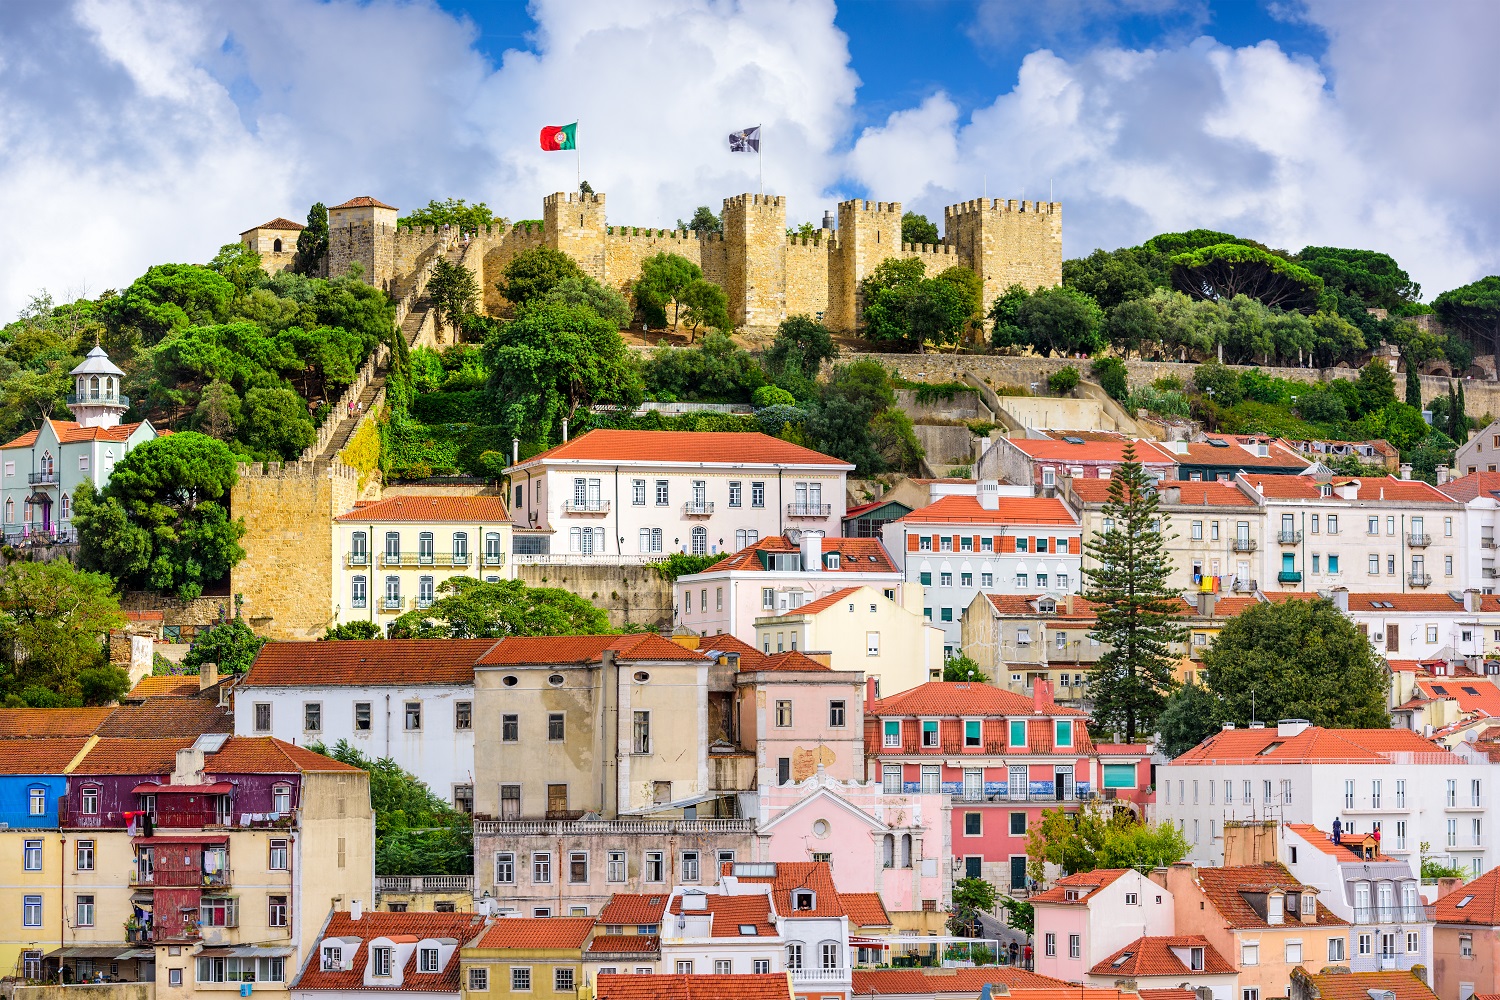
(766, 274)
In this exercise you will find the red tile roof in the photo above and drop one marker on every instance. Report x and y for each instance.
(730, 913)
(68, 432)
(362, 662)
(746, 986)
(1012, 510)
(1203, 453)
(279, 224)
(1154, 956)
(571, 649)
(684, 448)
(792, 661)
(363, 201)
(750, 657)
(1466, 488)
(915, 982)
(1337, 984)
(1056, 450)
(1226, 889)
(1025, 605)
(1193, 494)
(962, 698)
(1405, 602)
(1370, 488)
(31, 723)
(1473, 694)
(267, 755)
(166, 684)
(790, 875)
(372, 924)
(39, 756)
(1092, 882)
(624, 944)
(634, 908)
(1476, 902)
(1322, 841)
(127, 756)
(865, 909)
(856, 555)
(550, 933)
(469, 510)
(1313, 745)
(827, 601)
(191, 715)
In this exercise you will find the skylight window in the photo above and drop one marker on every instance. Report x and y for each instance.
(1270, 748)
(1073, 440)
(1465, 902)
(749, 930)
(1124, 957)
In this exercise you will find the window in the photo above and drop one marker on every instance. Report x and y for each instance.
(1363, 943)
(510, 728)
(1064, 732)
(1336, 949)
(700, 541)
(277, 859)
(1293, 952)
(946, 614)
(932, 779)
(31, 911)
(219, 911)
(662, 498)
(614, 870)
(945, 579)
(973, 733)
(555, 726)
(690, 866)
(655, 867)
(641, 730)
(413, 716)
(479, 979)
(1198, 531)
(262, 717)
(83, 856)
(836, 714)
(1075, 945)
(463, 715)
(891, 728)
(312, 717)
(276, 911)
(973, 824)
(1018, 732)
(828, 953)
(562, 980)
(1465, 941)
(783, 714)
(174, 977)
(638, 492)
(1018, 824)
(1049, 944)
(1250, 954)
(31, 855)
(1333, 563)
(520, 978)
(83, 911)
(890, 779)
(37, 801)
(505, 868)
(359, 591)
(541, 867)
(757, 494)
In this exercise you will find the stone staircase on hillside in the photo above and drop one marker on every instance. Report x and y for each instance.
(367, 401)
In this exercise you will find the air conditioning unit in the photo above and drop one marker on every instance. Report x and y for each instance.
(1380, 637)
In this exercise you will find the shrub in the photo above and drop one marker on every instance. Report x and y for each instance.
(1168, 403)
(1064, 381)
(772, 395)
(1110, 372)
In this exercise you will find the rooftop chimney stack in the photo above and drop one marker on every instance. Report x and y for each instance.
(1405, 470)
(208, 676)
(1442, 474)
(812, 551)
(356, 909)
(989, 494)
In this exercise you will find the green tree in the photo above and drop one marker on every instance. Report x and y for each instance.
(962, 668)
(163, 522)
(797, 354)
(918, 229)
(1061, 320)
(1007, 330)
(1111, 277)
(533, 273)
(453, 290)
(971, 897)
(1100, 838)
(703, 221)
(1434, 869)
(359, 629)
(716, 371)
(938, 312)
(1187, 719)
(218, 412)
(415, 831)
(583, 291)
(552, 360)
(53, 623)
(170, 297)
(1168, 245)
(1064, 380)
(240, 265)
(1228, 269)
(455, 212)
(1110, 372)
(1218, 381)
(277, 424)
(664, 280)
(230, 644)
(1375, 279)
(1377, 386)
(843, 419)
(1300, 659)
(1138, 614)
(1133, 325)
(888, 291)
(1019, 914)
(474, 610)
(312, 242)
(894, 439)
(705, 304)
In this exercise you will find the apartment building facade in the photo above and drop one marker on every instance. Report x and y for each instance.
(1082, 919)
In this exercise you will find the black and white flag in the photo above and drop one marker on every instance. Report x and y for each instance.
(745, 141)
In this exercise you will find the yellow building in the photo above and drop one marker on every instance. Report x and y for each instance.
(393, 555)
(861, 629)
(526, 958)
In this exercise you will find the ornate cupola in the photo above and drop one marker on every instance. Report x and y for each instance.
(96, 400)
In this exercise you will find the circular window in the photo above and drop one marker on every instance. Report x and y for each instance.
(555, 680)
(820, 829)
(642, 677)
(509, 681)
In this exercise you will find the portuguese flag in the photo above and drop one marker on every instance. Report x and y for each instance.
(556, 137)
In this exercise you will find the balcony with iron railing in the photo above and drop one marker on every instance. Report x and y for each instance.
(404, 560)
(1395, 914)
(586, 508)
(42, 478)
(1419, 579)
(425, 883)
(581, 827)
(1289, 537)
(1418, 540)
(98, 399)
(698, 508)
(1289, 576)
(1244, 545)
(809, 510)
(1245, 586)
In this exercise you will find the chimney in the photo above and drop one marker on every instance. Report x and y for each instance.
(1447, 885)
(188, 769)
(1041, 694)
(1228, 726)
(812, 551)
(1405, 470)
(565, 428)
(1442, 474)
(1206, 604)
(1349, 490)
(208, 676)
(1472, 601)
(989, 494)
(356, 909)
(515, 451)
(1067, 604)
(1340, 597)
(870, 694)
(1291, 727)
(1172, 495)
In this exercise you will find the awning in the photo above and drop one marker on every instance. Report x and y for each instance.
(183, 838)
(156, 788)
(138, 953)
(112, 951)
(247, 951)
(40, 499)
(694, 800)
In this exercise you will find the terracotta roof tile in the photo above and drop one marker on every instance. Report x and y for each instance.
(792, 660)
(1473, 694)
(750, 657)
(1405, 602)
(552, 933)
(468, 510)
(790, 875)
(915, 982)
(825, 602)
(1322, 841)
(1056, 450)
(374, 924)
(1466, 488)
(570, 649)
(1376, 488)
(758, 986)
(684, 448)
(856, 555)
(1339, 985)
(363, 201)
(278, 224)
(1313, 745)
(166, 684)
(1235, 456)
(624, 944)
(30, 723)
(1012, 510)
(865, 909)
(625, 908)
(1482, 906)
(191, 715)
(1154, 956)
(730, 913)
(1226, 889)
(39, 756)
(133, 756)
(1091, 882)
(957, 698)
(362, 662)
(1168, 993)
(1193, 494)
(267, 755)
(1026, 605)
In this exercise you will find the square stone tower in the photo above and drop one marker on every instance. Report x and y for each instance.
(1007, 242)
(755, 278)
(363, 230)
(869, 232)
(574, 223)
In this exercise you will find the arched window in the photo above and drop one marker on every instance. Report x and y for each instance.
(10, 511)
(67, 506)
(93, 387)
(393, 548)
(46, 463)
(700, 541)
(276, 245)
(888, 851)
(794, 956)
(492, 553)
(906, 850)
(425, 548)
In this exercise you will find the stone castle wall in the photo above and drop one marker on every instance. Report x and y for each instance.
(371, 245)
(807, 274)
(630, 594)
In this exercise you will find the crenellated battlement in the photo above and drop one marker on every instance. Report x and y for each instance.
(573, 198)
(823, 237)
(295, 470)
(872, 207)
(1002, 205)
(632, 232)
(755, 200)
(941, 249)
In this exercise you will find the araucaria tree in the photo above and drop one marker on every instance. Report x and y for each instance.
(1137, 616)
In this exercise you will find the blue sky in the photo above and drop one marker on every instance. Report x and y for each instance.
(135, 132)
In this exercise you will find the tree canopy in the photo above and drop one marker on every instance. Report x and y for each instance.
(1225, 270)
(1100, 838)
(455, 212)
(904, 308)
(532, 273)
(1473, 310)
(53, 624)
(312, 242)
(797, 354)
(667, 279)
(703, 221)
(1372, 277)
(917, 228)
(230, 644)
(470, 609)
(453, 290)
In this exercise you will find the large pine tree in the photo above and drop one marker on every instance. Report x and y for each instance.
(1138, 614)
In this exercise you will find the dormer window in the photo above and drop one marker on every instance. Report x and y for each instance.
(1195, 959)
(804, 899)
(333, 958)
(1047, 606)
(427, 960)
(1275, 909)
(1326, 490)
(833, 560)
(1073, 895)
(380, 962)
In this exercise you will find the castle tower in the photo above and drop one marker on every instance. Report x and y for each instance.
(869, 232)
(363, 231)
(574, 223)
(96, 400)
(1007, 242)
(755, 268)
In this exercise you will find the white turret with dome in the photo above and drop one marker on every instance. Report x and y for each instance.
(96, 400)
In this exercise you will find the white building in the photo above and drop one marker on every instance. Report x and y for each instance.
(362, 953)
(806, 907)
(639, 495)
(411, 700)
(1421, 626)
(1296, 773)
(1084, 918)
(1480, 495)
(718, 933)
(42, 469)
(960, 546)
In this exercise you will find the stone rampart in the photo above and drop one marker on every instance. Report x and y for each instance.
(631, 594)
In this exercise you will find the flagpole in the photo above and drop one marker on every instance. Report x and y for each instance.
(577, 160)
(760, 164)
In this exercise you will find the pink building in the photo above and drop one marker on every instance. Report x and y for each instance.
(1084, 918)
(775, 575)
(1466, 940)
(1001, 758)
(1043, 462)
(801, 718)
